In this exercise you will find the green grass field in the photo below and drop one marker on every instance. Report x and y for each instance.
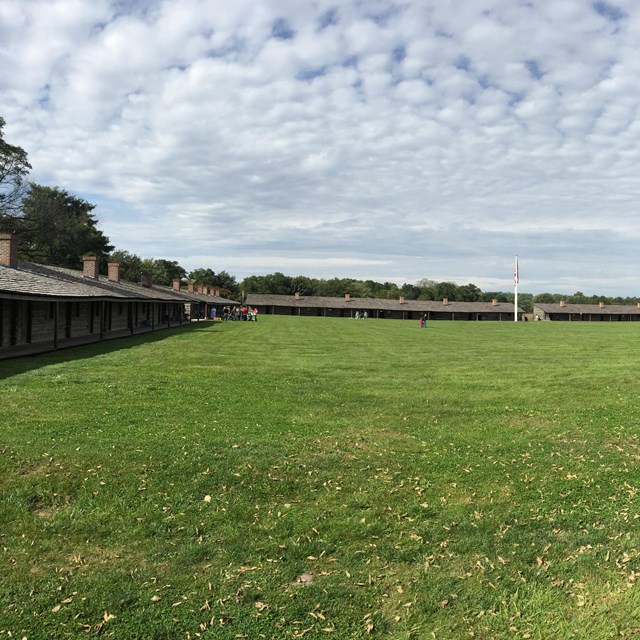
(303, 477)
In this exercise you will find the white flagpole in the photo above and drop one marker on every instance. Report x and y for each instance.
(516, 278)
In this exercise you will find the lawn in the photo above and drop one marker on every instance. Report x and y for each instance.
(325, 478)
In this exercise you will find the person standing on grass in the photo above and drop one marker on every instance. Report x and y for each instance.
(255, 314)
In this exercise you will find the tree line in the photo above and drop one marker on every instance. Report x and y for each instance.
(58, 228)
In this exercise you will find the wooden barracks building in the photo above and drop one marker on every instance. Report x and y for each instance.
(43, 308)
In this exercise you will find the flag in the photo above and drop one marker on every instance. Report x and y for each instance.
(516, 275)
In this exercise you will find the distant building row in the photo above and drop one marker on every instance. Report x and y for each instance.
(601, 312)
(43, 308)
(401, 309)
(397, 309)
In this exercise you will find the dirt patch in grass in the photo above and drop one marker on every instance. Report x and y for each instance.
(40, 509)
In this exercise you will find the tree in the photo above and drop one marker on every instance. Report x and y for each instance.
(425, 283)
(468, 293)
(410, 291)
(225, 282)
(222, 280)
(446, 290)
(577, 298)
(164, 272)
(57, 228)
(253, 284)
(202, 276)
(130, 265)
(14, 169)
(304, 286)
(547, 297)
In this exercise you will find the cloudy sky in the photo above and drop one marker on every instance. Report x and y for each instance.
(390, 140)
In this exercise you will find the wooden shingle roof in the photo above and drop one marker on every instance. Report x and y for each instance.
(383, 304)
(593, 309)
(44, 281)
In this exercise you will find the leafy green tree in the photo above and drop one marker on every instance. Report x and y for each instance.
(410, 291)
(468, 293)
(446, 290)
(131, 265)
(525, 301)
(304, 286)
(58, 228)
(14, 169)
(577, 298)
(279, 283)
(426, 283)
(252, 284)
(225, 282)
(202, 276)
(164, 272)
(547, 298)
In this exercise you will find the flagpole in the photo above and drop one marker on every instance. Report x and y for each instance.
(516, 278)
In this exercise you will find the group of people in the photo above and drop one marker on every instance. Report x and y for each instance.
(237, 313)
(361, 316)
(423, 321)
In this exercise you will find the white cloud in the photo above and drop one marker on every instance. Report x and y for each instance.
(375, 140)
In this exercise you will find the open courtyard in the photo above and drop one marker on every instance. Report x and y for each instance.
(325, 477)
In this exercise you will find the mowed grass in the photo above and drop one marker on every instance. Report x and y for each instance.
(317, 477)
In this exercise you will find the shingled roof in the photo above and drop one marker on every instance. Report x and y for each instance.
(37, 281)
(593, 309)
(384, 304)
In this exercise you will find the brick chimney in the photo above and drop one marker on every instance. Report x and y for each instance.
(113, 271)
(145, 279)
(199, 288)
(347, 297)
(601, 304)
(9, 249)
(216, 293)
(494, 302)
(176, 284)
(445, 301)
(638, 305)
(190, 287)
(401, 300)
(205, 291)
(296, 296)
(563, 303)
(90, 267)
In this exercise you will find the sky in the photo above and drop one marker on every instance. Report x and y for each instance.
(383, 140)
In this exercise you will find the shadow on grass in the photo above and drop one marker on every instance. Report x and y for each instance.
(22, 364)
